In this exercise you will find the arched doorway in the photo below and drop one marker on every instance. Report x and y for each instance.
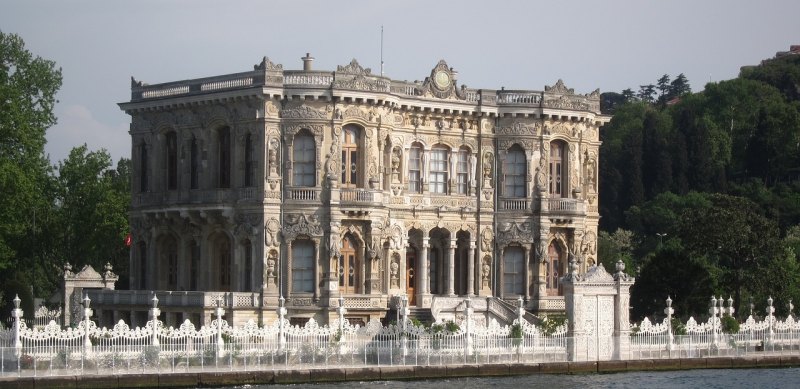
(349, 267)
(462, 263)
(411, 275)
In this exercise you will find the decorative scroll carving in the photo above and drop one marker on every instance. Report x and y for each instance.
(487, 238)
(519, 128)
(597, 274)
(356, 112)
(300, 224)
(486, 271)
(514, 232)
(303, 112)
(246, 225)
(361, 83)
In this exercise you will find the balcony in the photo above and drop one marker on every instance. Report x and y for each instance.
(563, 206)
(515, 204)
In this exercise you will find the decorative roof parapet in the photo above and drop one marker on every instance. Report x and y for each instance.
(266, 64)
(559, 87)
(354, 68)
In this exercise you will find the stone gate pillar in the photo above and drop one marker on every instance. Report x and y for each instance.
(597, 312)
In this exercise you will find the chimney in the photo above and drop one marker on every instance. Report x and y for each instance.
(307, 62)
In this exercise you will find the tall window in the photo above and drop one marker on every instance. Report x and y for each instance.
(302, 266)
(350, 157)
(194, 165)
(170, 259)
(195, 265)
(439, 167)
(249, 161)
(349, 267)
(514, 171)
(224, 154)
(143, 167)
(223, 254)
(248, 265)
(553, 270)
(304, 153)
(558, 169)
(172, 160)
(462, 169)
(514, 271)
(142, 265)
(415, 168)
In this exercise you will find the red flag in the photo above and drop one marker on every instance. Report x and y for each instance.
(128, 240)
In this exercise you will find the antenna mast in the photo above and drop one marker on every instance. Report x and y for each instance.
(381, 50)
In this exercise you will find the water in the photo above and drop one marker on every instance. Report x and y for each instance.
(707, 379)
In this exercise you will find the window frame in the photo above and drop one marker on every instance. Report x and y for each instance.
(304, 160)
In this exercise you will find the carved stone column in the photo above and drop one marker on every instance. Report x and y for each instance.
(424, 284)
(317, 268)
(451, 266)
(527, 250)
(499, 277)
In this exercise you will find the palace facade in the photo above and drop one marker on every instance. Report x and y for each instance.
(299, 187)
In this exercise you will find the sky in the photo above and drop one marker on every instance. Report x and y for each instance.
(611, 45)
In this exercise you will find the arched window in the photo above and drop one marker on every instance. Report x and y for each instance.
(462, 172)
(249, 161)
(415, 168)
(350, 170)
(558, 169)
(513, 271)
(514, 172)
(349, 267)
(439, 168)
(553, 270)
(194, 165)
(143, 167)
(302, 266)
(224, 156)
(304, 157)
(194, 267)
(171, 141)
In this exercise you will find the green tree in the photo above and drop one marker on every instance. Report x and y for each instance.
(647, 93)
(663, 88)
(679, 86)
(28, 85)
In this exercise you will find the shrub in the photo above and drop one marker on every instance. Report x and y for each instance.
(729, 325)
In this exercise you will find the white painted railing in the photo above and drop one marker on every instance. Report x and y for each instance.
(357, 195)
(515, 204)
(304, 194)
(226, 84)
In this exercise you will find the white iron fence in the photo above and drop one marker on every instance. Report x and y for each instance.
(87, 349)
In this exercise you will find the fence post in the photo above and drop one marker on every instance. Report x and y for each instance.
(154, 314)
(467, 320)
(281, 327)
(16, 313)
(713, 317)
(341, 311)
(770, 319)
(87, 313)
(404, 311)
(219, 312)
(669, 312)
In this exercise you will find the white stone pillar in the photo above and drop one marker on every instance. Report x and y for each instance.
(424, 284)
(451, 266)
(472, 261)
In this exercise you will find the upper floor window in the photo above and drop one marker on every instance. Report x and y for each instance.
(415, 168)
(172, 160)
(247, 250)
(194, 165)
(558, 169)
(302, 266)
(439, 167)
(462, 172)
(304, 157)
(249, 161)
(514, 172)
(224, 155)
(143, 167)
(350, 157)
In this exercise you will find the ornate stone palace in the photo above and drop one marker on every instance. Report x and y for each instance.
(309, 185)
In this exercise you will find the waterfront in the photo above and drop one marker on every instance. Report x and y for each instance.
(711, 378)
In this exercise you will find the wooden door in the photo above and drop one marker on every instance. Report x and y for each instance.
(411, 276)
(349, 267)
(553, 270)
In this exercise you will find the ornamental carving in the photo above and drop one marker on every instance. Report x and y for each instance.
(514, 232)
(303, 112)
(559, 128)
(271, 229)
(559, 87)
(487, 237)
(565, 102)
(246, 225)
(360, 82)
(357, 113)
(291, 130)
(597, 274)
(300, 224)
(354, 68)
(520, 129)
(266, 64)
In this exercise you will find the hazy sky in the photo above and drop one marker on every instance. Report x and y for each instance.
(609, 45)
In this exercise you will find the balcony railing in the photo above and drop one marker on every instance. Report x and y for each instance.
(566, 206)
(515, 204)
(195, 299)
(303, 194)
(357, 196)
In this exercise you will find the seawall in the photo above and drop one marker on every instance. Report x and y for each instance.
(301, 376)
